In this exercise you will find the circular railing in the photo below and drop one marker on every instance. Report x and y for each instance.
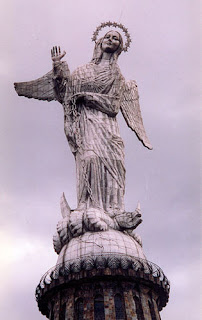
(108, 260)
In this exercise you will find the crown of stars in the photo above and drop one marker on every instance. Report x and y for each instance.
(115, 25)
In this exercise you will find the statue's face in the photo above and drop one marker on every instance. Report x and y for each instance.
(111, 42)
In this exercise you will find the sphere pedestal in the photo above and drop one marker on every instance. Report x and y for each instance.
(103, 275)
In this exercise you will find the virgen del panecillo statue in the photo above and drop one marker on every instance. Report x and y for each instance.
(91, 97)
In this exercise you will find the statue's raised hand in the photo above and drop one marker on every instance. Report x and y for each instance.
(56, 54)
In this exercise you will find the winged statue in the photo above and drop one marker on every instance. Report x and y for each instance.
(92, 96)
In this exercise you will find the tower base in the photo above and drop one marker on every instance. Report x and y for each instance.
(97, 277)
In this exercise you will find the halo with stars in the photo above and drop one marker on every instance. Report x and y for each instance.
(115, 25)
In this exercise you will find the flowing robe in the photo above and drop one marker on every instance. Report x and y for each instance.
(91, 101)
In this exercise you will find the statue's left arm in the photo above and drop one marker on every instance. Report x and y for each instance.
(103, 102)
(130, 108)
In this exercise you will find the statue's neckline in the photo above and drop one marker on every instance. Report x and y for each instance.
(104, 62)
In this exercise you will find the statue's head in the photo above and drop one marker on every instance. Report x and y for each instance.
(112, 42)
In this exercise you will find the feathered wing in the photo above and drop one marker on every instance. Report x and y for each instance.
(41, 88)
(130, 108)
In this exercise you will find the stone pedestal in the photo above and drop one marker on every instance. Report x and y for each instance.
(103, 275)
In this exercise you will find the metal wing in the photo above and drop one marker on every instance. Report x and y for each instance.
(131, 111)
(41, 88)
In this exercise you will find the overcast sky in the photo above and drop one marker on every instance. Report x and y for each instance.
(36, 164)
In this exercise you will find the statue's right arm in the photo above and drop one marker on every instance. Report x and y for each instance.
(61, 73)
(50, 86)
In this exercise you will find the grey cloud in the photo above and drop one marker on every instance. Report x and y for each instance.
(36, 163)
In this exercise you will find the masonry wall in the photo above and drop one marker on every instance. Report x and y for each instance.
(104, 300)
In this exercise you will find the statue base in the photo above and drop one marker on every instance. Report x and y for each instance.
(106, 262)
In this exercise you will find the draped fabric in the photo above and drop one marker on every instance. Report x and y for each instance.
(91, 103)
(92, 97)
